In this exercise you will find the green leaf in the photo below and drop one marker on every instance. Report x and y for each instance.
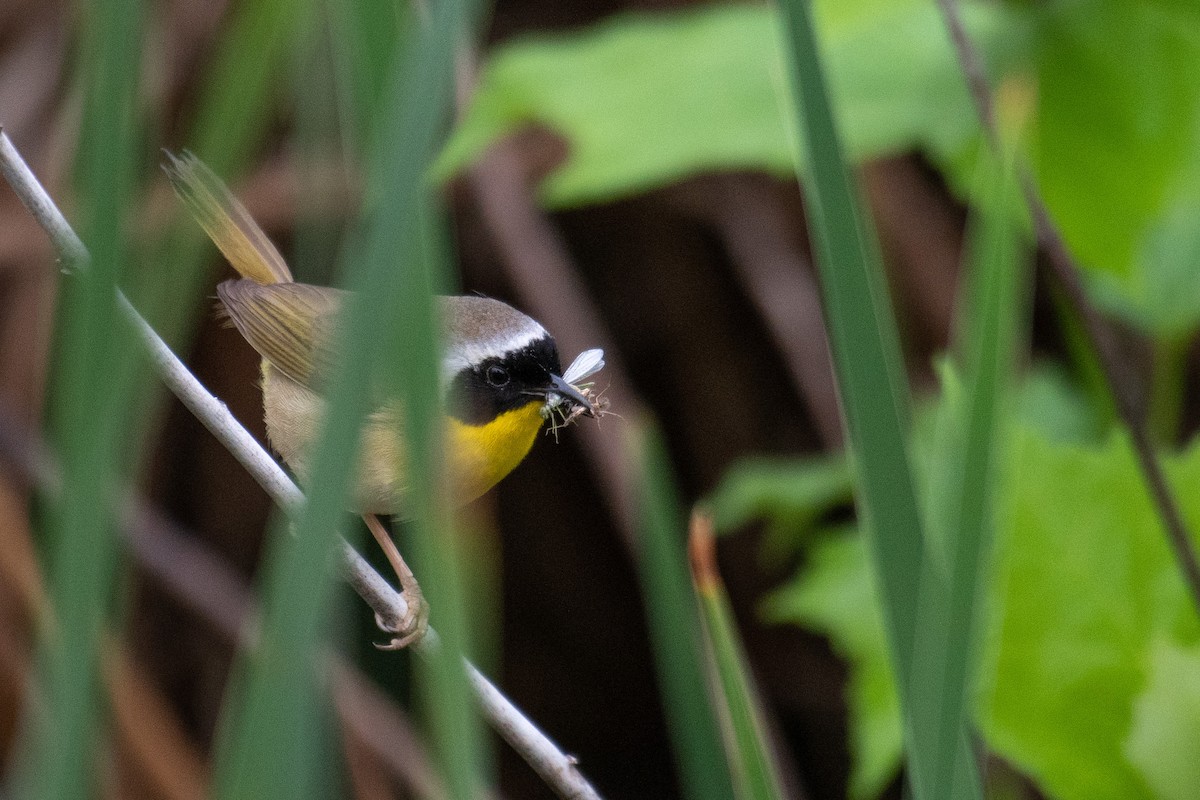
(1159, 294)
(763, 487)
(1086, 589)
(1049, 403)
(875, 403)
(1166, 723)
(233, 106)
(1118, 99)
(403, 227)
(365, 39)
(965, 461)
(644, 100)
(269, 748)
(1086, 582)
(790, 495)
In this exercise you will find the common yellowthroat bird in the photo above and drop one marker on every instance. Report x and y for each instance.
(501, 374)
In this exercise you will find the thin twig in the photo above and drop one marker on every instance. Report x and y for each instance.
(555, 767)
(1066, 271)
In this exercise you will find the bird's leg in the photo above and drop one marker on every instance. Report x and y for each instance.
(415, 622)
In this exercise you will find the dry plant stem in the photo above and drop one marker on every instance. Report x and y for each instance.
(554, 766)
(1067, 273)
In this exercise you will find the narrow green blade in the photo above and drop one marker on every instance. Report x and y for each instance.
(235, 105)
(365, 34)
(674, 622)
(93, 377)
(405, 223)
(755, 773)
(269, 751)
(875, 403)
(968, 456)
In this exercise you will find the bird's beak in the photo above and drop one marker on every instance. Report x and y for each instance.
(560, 390)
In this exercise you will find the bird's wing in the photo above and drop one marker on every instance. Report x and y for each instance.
(289, 324)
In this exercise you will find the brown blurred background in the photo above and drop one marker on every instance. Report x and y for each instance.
(704, 296)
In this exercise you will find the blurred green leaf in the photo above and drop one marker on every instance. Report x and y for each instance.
(789, 495)
(271, 746)
(365, 37)
(1159, 294)
(1049, 403)
(1085, 588)
(235, 105)
(643, 100)
(1118, 103)
(272, 742)
(403, 228)
(1166, 723)
(1086, 583)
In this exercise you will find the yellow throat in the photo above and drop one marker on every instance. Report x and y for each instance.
(483, 454)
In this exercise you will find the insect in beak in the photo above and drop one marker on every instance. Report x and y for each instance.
(559, 392)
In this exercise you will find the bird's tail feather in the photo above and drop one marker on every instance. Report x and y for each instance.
(225, 220)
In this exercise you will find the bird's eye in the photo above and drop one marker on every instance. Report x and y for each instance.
(497, 376)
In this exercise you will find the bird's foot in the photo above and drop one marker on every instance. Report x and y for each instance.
(411, 628)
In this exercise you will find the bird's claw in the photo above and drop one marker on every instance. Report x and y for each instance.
(409, 629)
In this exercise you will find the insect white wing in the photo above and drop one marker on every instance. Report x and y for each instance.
(586, 364)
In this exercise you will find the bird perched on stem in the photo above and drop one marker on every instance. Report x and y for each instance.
(501, 374)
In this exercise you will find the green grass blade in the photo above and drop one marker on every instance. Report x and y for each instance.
(316, 148)
(93, 376)
(755, 773)
(969, 454)
(280, 685)
(364, 39)
(271, 743)
(874, 398)
(675, 631)
(404, 231)
(235, 106)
